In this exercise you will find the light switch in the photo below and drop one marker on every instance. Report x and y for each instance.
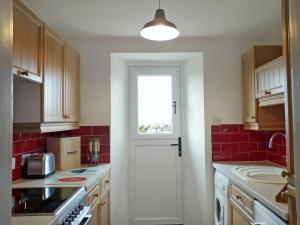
(13, 163)
(216, 120)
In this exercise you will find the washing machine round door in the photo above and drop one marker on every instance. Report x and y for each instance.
(219, 210)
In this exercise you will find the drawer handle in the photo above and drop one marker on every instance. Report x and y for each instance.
(286, 194)
(67, 116)
(23, 73)
(268, 92)
(239, 198)
(285, 174)
(96, 195)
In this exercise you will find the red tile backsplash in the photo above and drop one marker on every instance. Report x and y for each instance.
(24, 143)
(231, 142)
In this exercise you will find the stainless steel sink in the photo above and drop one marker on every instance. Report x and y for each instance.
(260, 174)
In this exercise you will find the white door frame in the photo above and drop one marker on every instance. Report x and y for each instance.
(135, 140)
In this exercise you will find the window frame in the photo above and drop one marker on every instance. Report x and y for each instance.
(134, 72)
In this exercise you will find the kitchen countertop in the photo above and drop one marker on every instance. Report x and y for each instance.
(263, 192)
(94, 174)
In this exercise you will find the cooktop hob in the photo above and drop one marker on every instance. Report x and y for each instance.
(37, 201)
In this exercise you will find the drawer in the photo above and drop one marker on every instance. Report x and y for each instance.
(244, 200)
(105, 183)
(94, 196)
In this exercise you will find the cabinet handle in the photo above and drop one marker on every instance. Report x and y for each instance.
(239, 198)
(253, 117)
(96, 195)
(268, 93)
(23, 73)
(103, 203)
(107, 181)
(286, 194)
(285, 173)
(67, 116)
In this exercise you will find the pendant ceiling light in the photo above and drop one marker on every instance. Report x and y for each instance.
(160, 29)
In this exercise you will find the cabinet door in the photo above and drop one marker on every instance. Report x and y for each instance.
(53, 77)
(270, 78)
(27, 43)
(71, 86)
(95, 215)
(105, 209)
(94, 202)
(249, 102)
(237, 217)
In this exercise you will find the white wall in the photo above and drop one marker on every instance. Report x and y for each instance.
(274, 37)
(119, 142)
(197, 187)
(221, 69)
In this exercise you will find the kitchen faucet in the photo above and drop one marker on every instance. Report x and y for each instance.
(273, 137)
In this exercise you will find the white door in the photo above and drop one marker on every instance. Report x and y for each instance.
(155, 128)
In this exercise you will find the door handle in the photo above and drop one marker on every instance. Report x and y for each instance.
(174, 104)
(179, 146)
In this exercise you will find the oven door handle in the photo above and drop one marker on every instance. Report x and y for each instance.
(86, 219)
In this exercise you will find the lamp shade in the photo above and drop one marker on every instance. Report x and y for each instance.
(160, 29)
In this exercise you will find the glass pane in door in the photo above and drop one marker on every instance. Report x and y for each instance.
(155, 104)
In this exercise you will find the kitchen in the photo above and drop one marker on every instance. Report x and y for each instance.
(85, 92)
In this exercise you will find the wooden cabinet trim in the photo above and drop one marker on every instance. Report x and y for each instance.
(44, 127)
(255, 117)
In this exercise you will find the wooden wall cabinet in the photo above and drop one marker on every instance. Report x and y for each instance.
(256, 117)
(269, 79)
(53, 70)
(27, 43)
(51, 102)
(71, 85)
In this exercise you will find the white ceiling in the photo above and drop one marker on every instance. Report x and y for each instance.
(125, 18)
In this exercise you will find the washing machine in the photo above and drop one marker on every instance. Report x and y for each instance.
(221, 204)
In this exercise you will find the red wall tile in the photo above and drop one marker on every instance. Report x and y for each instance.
(24, 143)
(231, 142)
(229, 147)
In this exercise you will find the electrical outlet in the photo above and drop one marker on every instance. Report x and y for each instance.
(13, 163)
(216, 120)
(24, 158)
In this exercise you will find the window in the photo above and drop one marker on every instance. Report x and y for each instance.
(155, 104)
